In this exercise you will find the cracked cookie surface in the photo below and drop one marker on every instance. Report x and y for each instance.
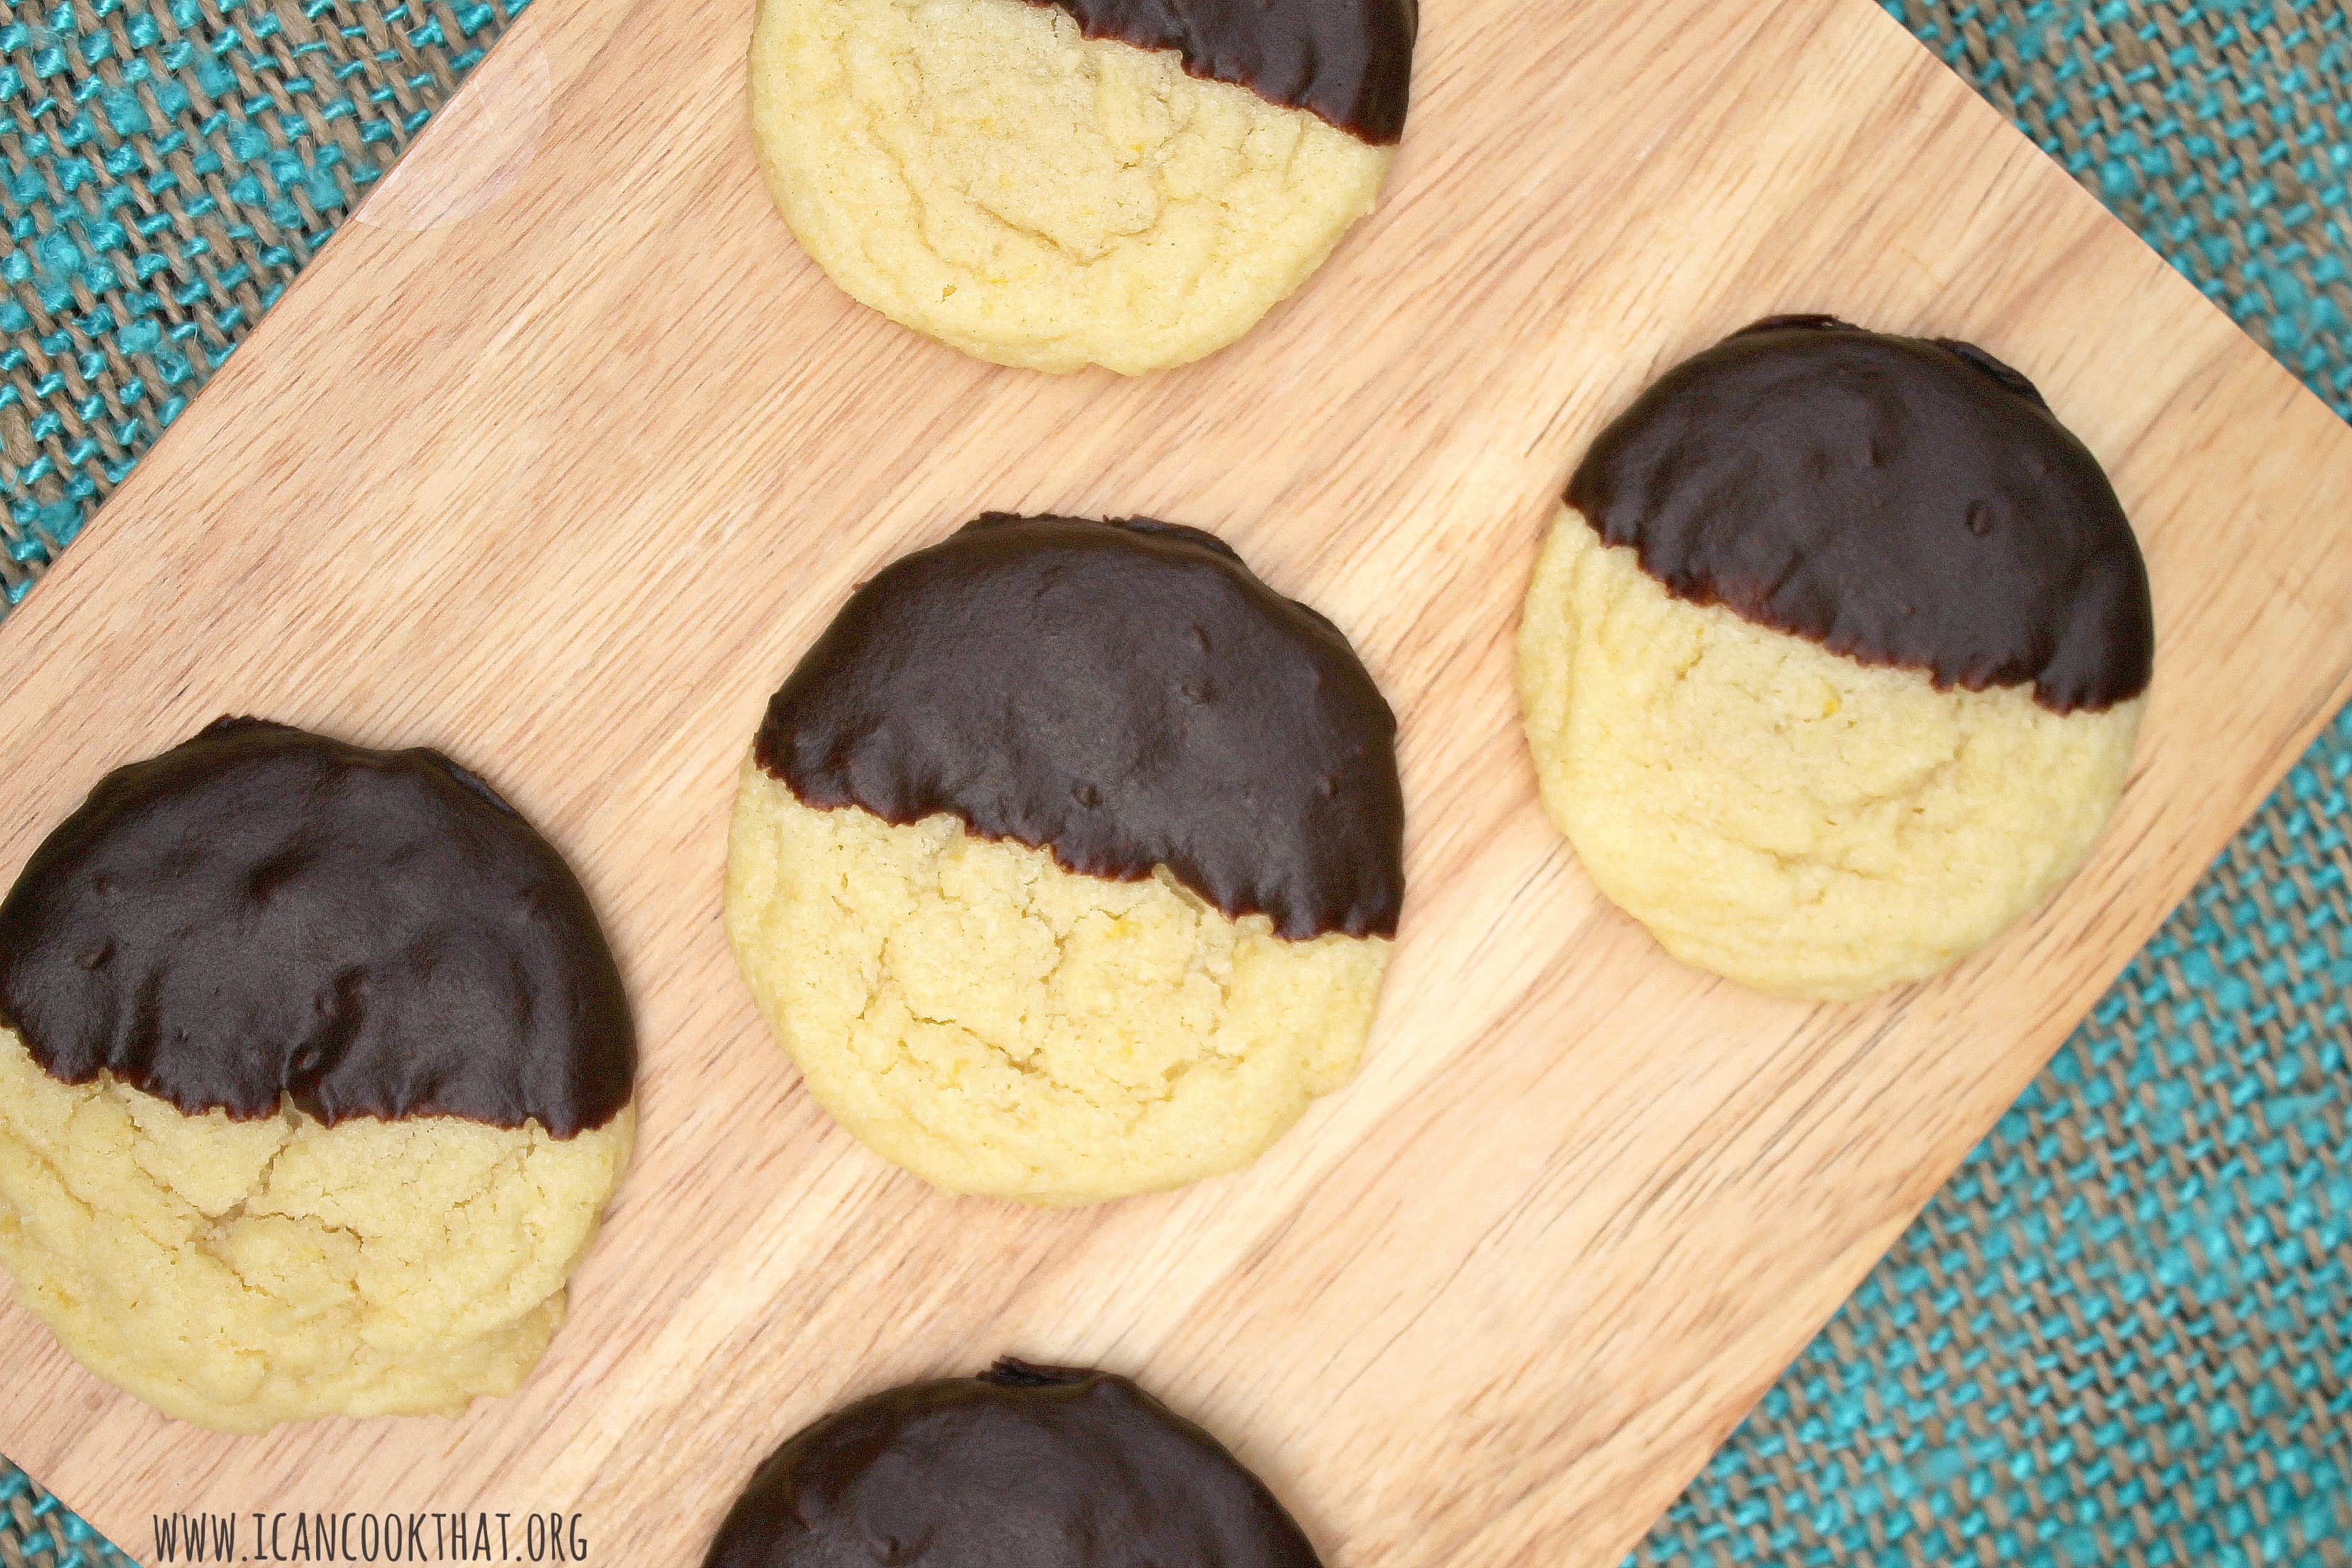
(1781, 814)
(1001, 1025)
(242, 1273)
(982, 173)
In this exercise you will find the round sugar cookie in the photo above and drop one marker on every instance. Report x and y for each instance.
(1834, 659)
(1053, 183)
(315, 1076)
(1066, 862)
(1046, 1467)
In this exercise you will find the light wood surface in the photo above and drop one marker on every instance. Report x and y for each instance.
(564, 485)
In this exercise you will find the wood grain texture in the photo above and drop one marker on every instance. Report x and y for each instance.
(565, 487)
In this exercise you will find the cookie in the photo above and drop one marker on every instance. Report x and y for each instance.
(1046, 1467)
(1124, 183)
(1834, 659)
(315, 1076)
(1065, 864)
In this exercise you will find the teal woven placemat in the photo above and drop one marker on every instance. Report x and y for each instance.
(2118, 1336)
(166, 167)
(38, 1531)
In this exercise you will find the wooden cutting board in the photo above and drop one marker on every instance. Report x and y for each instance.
(564, 485)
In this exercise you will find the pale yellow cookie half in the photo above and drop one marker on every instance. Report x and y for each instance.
(287, 1022)
(238, 1273)
(981, 171)
(1002, 1027)
(1782, 815)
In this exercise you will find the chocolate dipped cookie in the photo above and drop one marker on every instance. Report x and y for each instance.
(1834, 659)
(1054, 184)
(315, 1076)
(1065, 863)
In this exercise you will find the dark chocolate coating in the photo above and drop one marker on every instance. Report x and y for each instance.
(262, 914)
(1121, 694)
(1349, 62)
(1023, 1467)
(1901, 501)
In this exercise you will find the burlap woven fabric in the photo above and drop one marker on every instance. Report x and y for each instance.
(166, 167)
(2221, 129)
(38, 1531)
(2119, 1336)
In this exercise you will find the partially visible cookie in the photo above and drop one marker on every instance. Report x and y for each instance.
(1042, 1467)
(1053, 183)
(1833, 662)
(315, 1076)
(1066, 861)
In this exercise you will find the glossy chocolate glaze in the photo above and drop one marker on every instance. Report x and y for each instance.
(1901, 501)
(1024, 1466)
(262, 914)
(1349, 62)
(1121, 694)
